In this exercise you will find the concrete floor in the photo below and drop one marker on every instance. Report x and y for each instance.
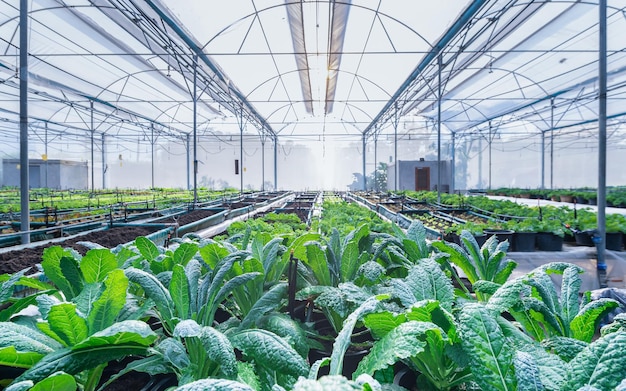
(584, 257)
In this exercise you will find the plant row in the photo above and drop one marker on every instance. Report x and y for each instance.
(263, 312)
(616, 196)
(79, 199)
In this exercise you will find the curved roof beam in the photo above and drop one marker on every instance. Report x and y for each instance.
(466, 17)
(178, 44)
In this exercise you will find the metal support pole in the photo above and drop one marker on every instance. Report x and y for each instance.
(396, 171)
(275, 163)
(490, 140)
(241, 151)
(552, 143)
(376, 186)
(543, 159)
(453, 162)
(24, 168)
(480, 161)
(195, 130)
(93, 130)
(104, 165)
(152, 155)
(364, 145)
(45, 151)
(187, 144)
(601, 245)
(439, 65)
(263, 163)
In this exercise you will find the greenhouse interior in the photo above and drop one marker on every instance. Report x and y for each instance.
(280, 195)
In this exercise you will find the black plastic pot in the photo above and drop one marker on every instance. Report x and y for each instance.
(614, 241)
(481, 239)
(501, 234)
(547, 241)
(524, 241)
(583, 238)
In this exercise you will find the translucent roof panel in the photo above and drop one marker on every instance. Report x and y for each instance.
(296, 68)
(253, 42)
(551, 56)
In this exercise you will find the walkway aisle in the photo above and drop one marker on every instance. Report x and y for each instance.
(584, 257)
(532, 202)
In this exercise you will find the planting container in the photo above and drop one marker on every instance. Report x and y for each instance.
(547, 241)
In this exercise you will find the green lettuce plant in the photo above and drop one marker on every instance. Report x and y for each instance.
(486, 263)
(78, 329)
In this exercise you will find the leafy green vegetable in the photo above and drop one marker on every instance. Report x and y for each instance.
(490, 356)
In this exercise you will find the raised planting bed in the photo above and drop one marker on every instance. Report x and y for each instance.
(18, 259)
(303, 214)
(434, 224)
(200, 219)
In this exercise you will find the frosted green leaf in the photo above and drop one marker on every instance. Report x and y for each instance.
(601, 364)
(214, 385)
(270, 351)
(406, 340)
(490, 356)
(527, 372)
(428, 281)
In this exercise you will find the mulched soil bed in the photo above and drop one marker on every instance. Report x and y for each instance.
(13, 261)
(190, 217)
(237, 205)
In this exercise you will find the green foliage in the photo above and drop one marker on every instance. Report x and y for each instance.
(486, 263)
(389, 282)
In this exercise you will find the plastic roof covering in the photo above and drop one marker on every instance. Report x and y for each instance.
(503, 64)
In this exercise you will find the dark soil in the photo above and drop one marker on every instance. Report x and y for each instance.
(13, 261)
(299, 204)
(190, 217)
(237, 205)
(134, 381)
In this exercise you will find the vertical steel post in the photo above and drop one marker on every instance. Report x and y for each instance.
(439, 62)
(195, 130)
(152, 155)
(376, 187)
(552, 143)
(104, 165)
(396, 171)
(241, 151)
(480, 161)
(364, 168)
(490, 140)
(263, 163)
(543, 159)
(275, 163)
(187, 144)
(601, 245)
(452, 162)
(24, 168)
(45, 150)
(93, 130)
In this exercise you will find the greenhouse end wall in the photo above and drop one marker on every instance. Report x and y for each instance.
(54, 174)
(407, 175)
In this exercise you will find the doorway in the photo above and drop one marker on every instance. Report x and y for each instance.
(422, 178)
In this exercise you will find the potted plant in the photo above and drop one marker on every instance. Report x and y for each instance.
(525, 234)
(550, 235)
